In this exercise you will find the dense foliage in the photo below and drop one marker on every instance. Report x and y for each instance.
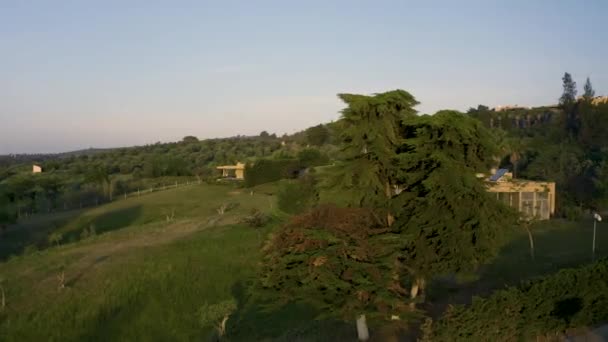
(296, 196)
(569, 299)
(566, 144)
(370, 132)
(357, 261)
(89, 177)
(336, 259)
(270, 170)
(438, 162)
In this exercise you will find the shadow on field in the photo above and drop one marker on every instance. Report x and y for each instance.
(25, 237)
(254, 320)
(106, 222)
(557, 245)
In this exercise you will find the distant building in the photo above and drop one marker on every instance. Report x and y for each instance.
(233, 171)
(533, 199)
(509, 107)
(36, 169)
(599, 100)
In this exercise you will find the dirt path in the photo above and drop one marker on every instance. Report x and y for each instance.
(90, 257)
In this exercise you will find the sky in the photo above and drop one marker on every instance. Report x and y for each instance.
(79, 74)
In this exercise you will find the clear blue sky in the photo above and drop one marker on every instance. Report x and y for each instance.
(79, 74)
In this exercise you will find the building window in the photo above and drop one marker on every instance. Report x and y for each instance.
(542, 205)
(527, 203)
(505, 197)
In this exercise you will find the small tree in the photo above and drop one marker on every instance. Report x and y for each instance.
(255, 219)
(190, 139)
(55, 238)
(569, 94)
(568, 101)
(589, 93)
(317, 135)
(216, 315)
(61, 276)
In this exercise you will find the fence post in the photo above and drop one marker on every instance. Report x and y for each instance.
(137, 192)
(125, 195)
(176, 184)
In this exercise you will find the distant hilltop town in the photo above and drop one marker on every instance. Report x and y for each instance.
(596, 101)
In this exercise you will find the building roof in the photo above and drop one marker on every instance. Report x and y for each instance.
(238, 166)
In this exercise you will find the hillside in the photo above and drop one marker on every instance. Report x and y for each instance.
(142, 276)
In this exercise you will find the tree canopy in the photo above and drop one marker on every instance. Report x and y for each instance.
(439, 161)
(371, 132)
(589, 93)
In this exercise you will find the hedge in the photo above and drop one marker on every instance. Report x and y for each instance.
(571, 298)
(270, 170)
(297, 196)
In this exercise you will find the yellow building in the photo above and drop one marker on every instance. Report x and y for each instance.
(233, 171)
(36, 169)
(533, 199)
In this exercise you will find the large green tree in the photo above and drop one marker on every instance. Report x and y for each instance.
(447, 219)
(371, 133)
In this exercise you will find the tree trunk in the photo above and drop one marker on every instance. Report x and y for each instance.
(417, 288)
(362, 330)
(389, 193)
(531, 238)
(221, 329)
(3, 298)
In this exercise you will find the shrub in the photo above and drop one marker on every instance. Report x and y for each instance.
(217, 315)
(255, 219)
(268, 170)
(337, 260)
(298, 196)
(572, 298)
(310, 157)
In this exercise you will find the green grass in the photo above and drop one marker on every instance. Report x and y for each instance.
(143, 277)
(558, 244)
(193, 202)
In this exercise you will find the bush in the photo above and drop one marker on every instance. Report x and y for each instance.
(298, 196)
(572, 212)
(268, 170)
(572, 298)
(255, 219)
(310, 157)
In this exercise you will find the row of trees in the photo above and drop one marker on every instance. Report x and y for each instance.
(416, 210)
(72, 180)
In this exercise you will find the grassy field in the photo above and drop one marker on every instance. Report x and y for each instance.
(156, 261)
(558, 244)
(145, 277)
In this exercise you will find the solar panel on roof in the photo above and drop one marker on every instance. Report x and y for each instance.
(501, 172)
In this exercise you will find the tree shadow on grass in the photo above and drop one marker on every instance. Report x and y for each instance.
(254, 320)
(19, 239)
(106, 222)
(556, 248)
